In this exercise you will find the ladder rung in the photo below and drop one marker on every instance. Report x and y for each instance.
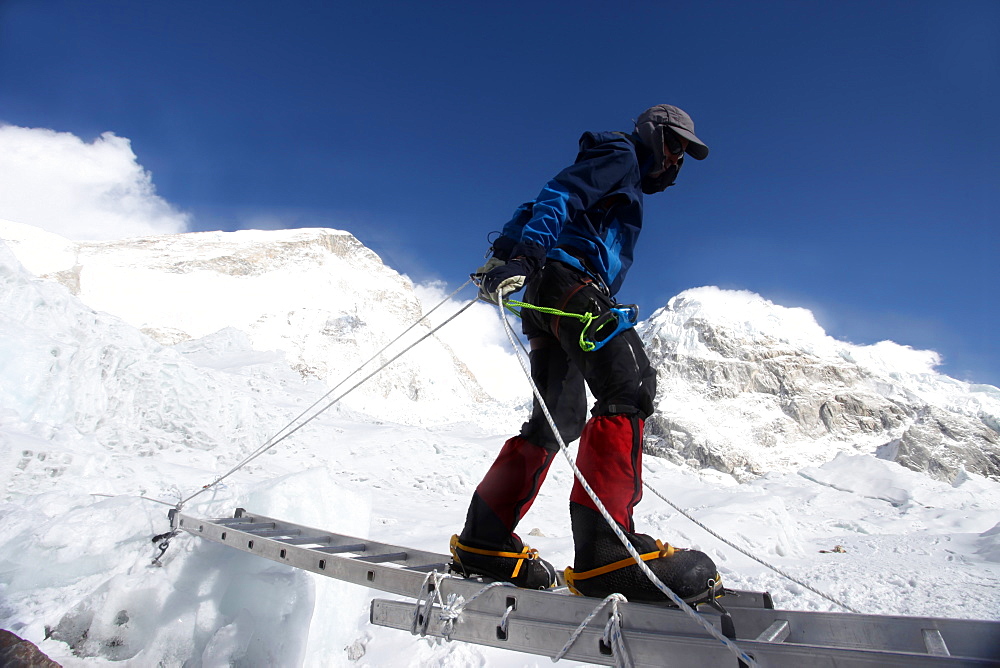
(776, 632)
(333, 549)
(234, 521)
(427, 568)
(305, 540)
(379, 558)
(273, 533)
(934, 642)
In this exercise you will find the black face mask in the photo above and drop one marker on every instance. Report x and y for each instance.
(653, 182)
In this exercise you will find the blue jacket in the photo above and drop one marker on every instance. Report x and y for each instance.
(590, 214)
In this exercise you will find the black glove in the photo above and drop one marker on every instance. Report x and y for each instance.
(498, 255)
(503, 280)
(508, 278)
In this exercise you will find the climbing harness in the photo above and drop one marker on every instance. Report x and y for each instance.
(597, 327)
(677, 600)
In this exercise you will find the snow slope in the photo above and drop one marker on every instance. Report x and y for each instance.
(97, 419)
(319, 296)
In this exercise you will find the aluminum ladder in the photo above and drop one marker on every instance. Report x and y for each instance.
(541, 622)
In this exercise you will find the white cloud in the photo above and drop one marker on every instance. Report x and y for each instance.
(79, 190)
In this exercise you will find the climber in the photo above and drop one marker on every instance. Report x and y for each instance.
(571, 248)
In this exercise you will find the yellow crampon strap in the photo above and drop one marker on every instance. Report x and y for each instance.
(572, 577)
(526, 553)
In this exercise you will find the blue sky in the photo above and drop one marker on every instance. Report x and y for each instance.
(854, 145)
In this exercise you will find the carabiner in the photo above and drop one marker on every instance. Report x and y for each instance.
(598, 331)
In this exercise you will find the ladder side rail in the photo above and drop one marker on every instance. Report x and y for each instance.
(547, 638)
(649, 649)
(420, 560)
(391, 579)
(544, 606)
(967, 638)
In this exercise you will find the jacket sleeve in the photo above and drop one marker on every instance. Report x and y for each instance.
(511, 233)
(600, 168)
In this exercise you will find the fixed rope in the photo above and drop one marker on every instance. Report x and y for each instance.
(677, 600)
(291, 427)
(748, 554)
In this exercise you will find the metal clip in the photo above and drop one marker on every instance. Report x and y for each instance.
(599, 331)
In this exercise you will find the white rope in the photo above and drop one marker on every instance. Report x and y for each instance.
(451, 611)
(280, 436)
(425, 602)
(613, 636)
(505, 617)
(677, 600)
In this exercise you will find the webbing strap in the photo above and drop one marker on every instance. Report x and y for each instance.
(526, 553)
(667, 551)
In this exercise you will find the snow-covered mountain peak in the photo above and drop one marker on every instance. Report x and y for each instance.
(743, 313)
(745, 385)
(707, 322)
(239, 253)
(698, 320)
(748, 386)
(318, 295)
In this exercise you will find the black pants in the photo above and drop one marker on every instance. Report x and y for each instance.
(623, 383)
(619, 374)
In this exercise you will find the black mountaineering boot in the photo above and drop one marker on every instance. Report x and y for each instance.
(512, 562)
(603, 566)
(488, 545)
(610, 458)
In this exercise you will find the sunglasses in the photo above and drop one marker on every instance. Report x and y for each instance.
(672, 142)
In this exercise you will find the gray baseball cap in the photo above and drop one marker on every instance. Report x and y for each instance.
(649, 125)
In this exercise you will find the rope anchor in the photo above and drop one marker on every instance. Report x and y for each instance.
(162, 543)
